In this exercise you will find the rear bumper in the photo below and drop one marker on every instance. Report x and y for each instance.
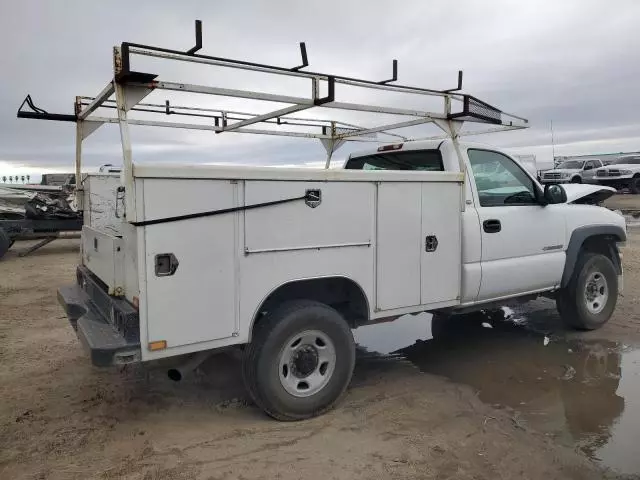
(100, 337)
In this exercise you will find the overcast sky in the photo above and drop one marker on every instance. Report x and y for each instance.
(576, 62)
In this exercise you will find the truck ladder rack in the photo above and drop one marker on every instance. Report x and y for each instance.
(130, 87)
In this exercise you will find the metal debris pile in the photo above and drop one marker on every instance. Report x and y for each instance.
(37, 202)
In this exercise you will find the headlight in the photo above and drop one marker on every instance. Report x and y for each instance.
(625, 172)
(565, 175)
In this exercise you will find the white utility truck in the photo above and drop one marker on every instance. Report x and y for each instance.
(182, 261)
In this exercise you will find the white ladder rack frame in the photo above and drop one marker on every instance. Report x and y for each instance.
(130, 88)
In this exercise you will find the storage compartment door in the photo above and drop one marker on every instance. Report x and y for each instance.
(441, 249)
(399, 246)
(104, 256)
(190, 264)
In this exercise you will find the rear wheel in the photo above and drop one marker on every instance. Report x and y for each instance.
(300, 360)
(634, 185)
(588, 301)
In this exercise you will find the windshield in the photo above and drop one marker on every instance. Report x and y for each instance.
(627, 161)
(424, 160)
(572, 164)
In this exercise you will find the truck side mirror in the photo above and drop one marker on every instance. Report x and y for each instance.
(554, 194)
(588, 167)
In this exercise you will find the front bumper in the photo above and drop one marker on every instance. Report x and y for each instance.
(615, 182)
(554, 180)
(109, 338)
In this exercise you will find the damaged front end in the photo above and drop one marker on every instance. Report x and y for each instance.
(585, 194)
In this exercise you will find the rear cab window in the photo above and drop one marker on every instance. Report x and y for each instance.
(419, 160)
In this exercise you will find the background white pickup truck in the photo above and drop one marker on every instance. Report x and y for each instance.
(621, 173)
(572, 171)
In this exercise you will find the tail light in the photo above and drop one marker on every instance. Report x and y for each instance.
(386, 148)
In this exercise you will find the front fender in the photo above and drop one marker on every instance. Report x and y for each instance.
(580, 235)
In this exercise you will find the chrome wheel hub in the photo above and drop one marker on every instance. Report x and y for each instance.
(306, 363)
(596, 292)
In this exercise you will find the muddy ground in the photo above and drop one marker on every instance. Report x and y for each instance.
(625, 202)
(457, 408)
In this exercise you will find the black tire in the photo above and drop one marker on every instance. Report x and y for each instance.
(572, 300)
(458, 325)
(441, 325)
(5, 242)
(576, 180)
(634, 185)
(261, 363)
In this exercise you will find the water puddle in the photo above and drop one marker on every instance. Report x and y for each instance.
(583, 393)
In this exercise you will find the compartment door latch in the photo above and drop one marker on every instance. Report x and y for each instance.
(166, 264)
(430, 243)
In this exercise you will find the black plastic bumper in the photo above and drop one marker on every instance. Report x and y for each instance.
(105, 343)
(613, 182)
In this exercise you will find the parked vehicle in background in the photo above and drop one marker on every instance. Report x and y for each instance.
(621, 173)
(58, 179)
(572, 171)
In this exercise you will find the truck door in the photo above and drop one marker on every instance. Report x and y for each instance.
(522, 241)
(418, 232)
(399, 239)
(190, 265)
(441, 234)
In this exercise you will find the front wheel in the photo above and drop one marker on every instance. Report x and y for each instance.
(588, 301)
(634, 185)
(300, 360)
(576, 180)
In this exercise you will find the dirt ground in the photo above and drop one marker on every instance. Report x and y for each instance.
(60, 418)
(625, 202)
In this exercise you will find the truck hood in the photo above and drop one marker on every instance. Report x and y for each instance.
(584, 193)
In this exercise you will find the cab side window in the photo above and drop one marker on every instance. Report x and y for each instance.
(499, 180)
